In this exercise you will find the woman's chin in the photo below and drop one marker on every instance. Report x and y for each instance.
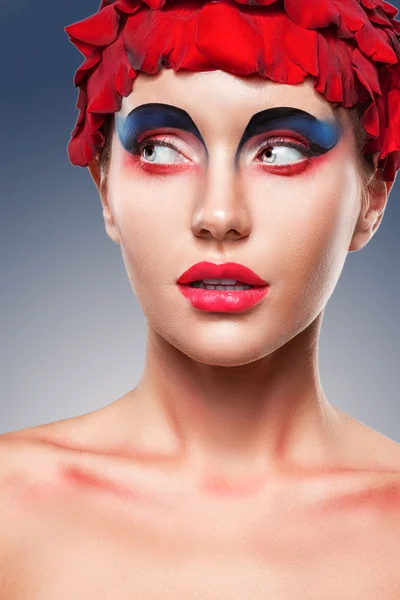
(223, 351)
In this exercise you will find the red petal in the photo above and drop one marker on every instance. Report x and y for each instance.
(83, 71)
(180, 49)
(393, 111)
(379, 17)
(352, 14)
(372, 44)
(146, 52)
(128, 7)
(100, 29)
(220, 23)
(329, 82)
(395, 42)
(257, 2)
(124, 78)
(389, 9)
(393, 140)
(82, 101)
(343, 31)
(94, 123)
(371, 120)
(352, 94)
(295, 37)
(173, 46)
(155, 4)
(312, 13)
(274, 61)
(103, 97)
(84, 146)
(367, 72)
(369, 3)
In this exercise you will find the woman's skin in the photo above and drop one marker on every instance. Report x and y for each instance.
(226, 472)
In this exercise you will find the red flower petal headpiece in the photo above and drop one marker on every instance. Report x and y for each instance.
(351, 49)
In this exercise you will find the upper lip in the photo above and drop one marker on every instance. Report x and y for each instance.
(228, 270)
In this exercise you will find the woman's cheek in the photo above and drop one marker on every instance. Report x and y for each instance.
(147, 215)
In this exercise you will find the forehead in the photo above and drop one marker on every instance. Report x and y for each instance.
(219, 99)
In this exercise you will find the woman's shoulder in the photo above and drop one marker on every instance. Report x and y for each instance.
(370, 449)
(86, 432)
(31, 457)
(26, 456)
(22, 462)
(64, 433)
(31, 465)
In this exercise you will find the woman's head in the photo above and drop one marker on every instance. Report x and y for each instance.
(215, 195)
(264, 173)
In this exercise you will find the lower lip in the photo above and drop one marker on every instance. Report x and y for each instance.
(223, 300)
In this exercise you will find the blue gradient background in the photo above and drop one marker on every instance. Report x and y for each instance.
(72, 332)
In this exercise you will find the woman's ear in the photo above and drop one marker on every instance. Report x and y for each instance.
(375, 197)
(100, 180)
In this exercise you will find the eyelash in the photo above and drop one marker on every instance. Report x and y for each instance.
(151, 141)
(279, 141)
(282, 141)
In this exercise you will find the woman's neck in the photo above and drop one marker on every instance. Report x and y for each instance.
(234, 421)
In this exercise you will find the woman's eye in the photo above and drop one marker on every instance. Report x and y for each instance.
(159, 152)
(281, 155)
(167, 152)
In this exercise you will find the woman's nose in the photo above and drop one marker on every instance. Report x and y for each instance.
(221, 211)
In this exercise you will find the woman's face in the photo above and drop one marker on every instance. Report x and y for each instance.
(232, 189)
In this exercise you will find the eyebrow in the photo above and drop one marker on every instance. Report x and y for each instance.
(322, 134)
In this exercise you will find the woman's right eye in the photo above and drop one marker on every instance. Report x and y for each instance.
(152, 149)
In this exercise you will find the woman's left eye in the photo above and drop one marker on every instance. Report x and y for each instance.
(281, 154)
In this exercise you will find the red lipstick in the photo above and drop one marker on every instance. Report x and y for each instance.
(227, 299)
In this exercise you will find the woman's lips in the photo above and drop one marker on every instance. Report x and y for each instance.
(222, 300)
(228, 270)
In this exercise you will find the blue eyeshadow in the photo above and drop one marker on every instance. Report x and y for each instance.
(148, 117)
(322, 135)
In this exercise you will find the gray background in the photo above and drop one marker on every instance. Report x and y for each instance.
(72, 332)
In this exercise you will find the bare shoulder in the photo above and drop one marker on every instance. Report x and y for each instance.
(29, 457)
(30, 461)
(66, 432)
(27, 466)
(21, 462)
(17, 466)
(368, 449)
(89, 431)
(371, 463)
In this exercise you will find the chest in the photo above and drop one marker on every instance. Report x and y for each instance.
(80, 548)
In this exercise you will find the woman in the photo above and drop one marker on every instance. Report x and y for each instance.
(235, 180)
